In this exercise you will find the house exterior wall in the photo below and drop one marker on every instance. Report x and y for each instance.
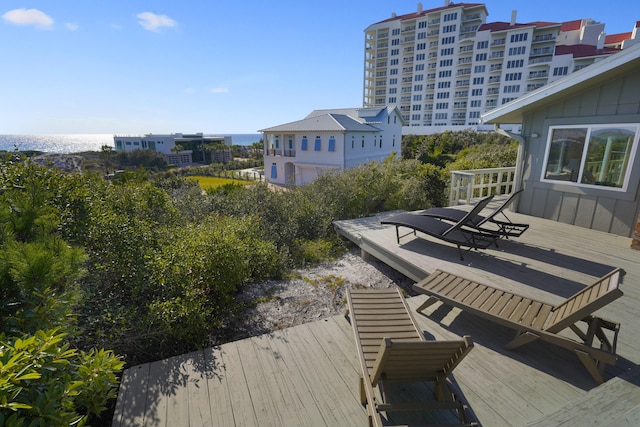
(614, 101)
(287, 163)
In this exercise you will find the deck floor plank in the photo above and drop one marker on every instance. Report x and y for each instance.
(176, 392)
(335, 396)
(308, 374)
(239, 395)
(217, 388)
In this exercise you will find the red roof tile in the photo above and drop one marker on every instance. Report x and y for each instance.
(571, 25)
(503, 26)
(584, 50)
(617, 38)
(414, 15)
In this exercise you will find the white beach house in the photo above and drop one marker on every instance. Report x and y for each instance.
(325, 140)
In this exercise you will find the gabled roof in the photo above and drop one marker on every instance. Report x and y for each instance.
(606, 69)
(324, 122)
(369, 115)
(339, 119)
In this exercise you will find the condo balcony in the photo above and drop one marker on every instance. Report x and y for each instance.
(471, 17)
(539, 61)
(542, 51)
(544, 38)
(539, 74)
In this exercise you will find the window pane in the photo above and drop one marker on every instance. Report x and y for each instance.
(565, 154)
(608, 156)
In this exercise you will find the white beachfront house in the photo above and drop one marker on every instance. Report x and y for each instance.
(326, 140)
(166, 145)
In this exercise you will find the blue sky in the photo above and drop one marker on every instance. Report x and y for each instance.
(97, 66)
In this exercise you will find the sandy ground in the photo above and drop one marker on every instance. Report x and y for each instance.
(314, 293)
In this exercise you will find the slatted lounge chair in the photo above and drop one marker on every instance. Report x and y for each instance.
(505, 227)
(456, 234)
(536, 319)
(391, 348)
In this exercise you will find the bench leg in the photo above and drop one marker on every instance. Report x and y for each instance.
(591, 366)
(521, 339)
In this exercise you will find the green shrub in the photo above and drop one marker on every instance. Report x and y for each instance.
(44, 382)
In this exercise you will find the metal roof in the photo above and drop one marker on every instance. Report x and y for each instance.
(338, 120)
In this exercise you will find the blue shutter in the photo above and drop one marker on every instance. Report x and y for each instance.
(332, 144)
(304, 144)
(274, 171)
(317, 146)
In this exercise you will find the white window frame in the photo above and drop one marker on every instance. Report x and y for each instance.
(590, 128)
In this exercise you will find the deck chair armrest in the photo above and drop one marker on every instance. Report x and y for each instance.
(378, 365)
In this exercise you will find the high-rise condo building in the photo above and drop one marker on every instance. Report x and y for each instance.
(446, 66)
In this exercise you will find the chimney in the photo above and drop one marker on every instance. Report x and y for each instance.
(419, 7)
(393, 14)
(513, 17)
(447, 3)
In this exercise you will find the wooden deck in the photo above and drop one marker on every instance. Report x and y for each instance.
(308, 375)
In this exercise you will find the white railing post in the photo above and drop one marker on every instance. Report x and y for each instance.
(464, 184)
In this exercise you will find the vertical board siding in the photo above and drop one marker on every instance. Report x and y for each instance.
(613, 101)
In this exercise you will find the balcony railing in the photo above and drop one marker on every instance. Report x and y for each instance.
(280, 152)
(475, 183)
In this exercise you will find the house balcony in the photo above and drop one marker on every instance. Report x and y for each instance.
(277, 152)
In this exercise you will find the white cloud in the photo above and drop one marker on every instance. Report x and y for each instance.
(71, 26)
(152, 22)
(220, 90)
(33, 17)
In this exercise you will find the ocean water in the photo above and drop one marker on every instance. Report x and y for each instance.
(75, 143)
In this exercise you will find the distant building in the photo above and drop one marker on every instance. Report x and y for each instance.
(329, 140)
(191, 145)
(445, 67)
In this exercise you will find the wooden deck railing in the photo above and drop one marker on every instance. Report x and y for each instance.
(475, 183)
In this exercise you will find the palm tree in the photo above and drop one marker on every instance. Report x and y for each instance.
(257, 148)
